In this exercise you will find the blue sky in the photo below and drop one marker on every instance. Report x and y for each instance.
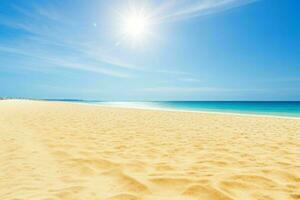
(193, 50)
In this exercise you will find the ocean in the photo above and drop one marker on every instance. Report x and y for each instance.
(274, 108)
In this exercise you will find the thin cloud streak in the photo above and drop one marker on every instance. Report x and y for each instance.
(56, 34)
(51, 35)
(191, 80)
(49, 29)
(172, 72)
(65, 62)
(171, 11)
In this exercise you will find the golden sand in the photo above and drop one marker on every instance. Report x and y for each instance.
(51, 150)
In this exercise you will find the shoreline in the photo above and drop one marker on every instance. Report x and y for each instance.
(165, 109)
(181, 110)
(203, 112)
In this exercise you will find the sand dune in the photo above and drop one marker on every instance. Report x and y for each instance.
(52, 150)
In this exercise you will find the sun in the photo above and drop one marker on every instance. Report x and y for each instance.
(136, 25)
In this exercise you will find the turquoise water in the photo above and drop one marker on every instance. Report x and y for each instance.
(275, 108)
(247, 107)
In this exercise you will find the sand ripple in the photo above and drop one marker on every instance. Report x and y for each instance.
(70, 151)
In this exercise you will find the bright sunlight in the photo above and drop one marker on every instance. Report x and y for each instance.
(135, 24)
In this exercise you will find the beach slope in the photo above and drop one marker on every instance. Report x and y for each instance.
(56, 150)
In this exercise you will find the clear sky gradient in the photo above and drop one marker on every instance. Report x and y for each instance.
(193, 50)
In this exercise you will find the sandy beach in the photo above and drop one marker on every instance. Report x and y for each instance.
(56, 150)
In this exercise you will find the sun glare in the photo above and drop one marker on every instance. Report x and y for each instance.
(136, 26)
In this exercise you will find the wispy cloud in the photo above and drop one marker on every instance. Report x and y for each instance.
(58, 44)
(54, 38)
(191, 80)
(56, 62)
(184, 9)
(172, 72)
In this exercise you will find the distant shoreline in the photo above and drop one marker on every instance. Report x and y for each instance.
(144, 107)
(90, 103)
(191, 111)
